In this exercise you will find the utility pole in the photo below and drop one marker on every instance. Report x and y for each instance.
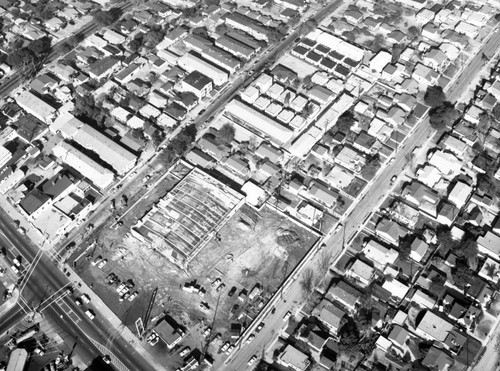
(207, 342)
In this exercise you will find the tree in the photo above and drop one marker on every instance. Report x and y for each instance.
(397, 49)
(105, 18)
(461, 273)
(154, 37)
(86, 106)
(434, 96)
(226, 133)
(443, 116)
(405, 246)
(346, 121)
(324, 261)
(437, 282)
(21, 58)
(371, 167)
(483, 126)
(413, 33)
(307, 281)
(496, 112)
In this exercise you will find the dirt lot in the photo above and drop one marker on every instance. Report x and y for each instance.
(254, 247)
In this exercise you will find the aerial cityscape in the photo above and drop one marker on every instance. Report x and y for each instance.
(289, 185)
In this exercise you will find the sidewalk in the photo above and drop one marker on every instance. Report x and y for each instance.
(113, 319)
(31, 232)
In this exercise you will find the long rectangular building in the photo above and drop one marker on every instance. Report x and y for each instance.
(235, 47)
(36, 106)
(247, 24)
(221, 58)
(90, 169)
(267, 127)
(120, 159)
(191, 62)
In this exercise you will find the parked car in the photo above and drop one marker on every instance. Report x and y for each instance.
(85, 298)
(102, 263)
(252, 360)
(97, 260)
(120, 287)
(90, 314)
(216, 282)
(287, 316)
(232, 291)
(184, 351)
(78, 302)
(133, 296)
(250, 338)
(225, 347)
(260, 326)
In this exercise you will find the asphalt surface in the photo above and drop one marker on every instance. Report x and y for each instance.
(47, 275)
(352, 223)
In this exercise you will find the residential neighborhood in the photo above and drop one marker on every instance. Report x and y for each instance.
(251, 184)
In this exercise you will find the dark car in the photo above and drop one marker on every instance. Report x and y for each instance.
(232, 291)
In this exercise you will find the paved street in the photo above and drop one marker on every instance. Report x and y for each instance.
(46, 275)
(376, 192)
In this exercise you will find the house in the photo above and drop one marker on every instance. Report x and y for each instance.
(424, 75)
(405, 214)
(237, 165)
(425, 198)
(168, 334)
(390, 231)
(330, 315)
(423, 300)
(104, 67)
(34, 202)
(418, 249)
(447, 213)
(36, 106)
(435, 59)
(344, 294)
(200, 158)
(293, 359)
(197, 83)
(437, 359)
(416, 4)
(361, 272)
(489, 245)
(433, 327)
(192, 62)
(270, 152)
(398, 337)
(396, 289)
(379, 254)
(459, 194)
(323, 194)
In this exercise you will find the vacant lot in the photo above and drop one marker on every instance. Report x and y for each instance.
(253, 248)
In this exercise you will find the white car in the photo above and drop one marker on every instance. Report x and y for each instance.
(230, 349)
(133, 296)
(90, 314)
(120, 287)
(85, 298)
(216, 282)
(184, 351)
(252, 360)
(287, 316)
(207, 331)
(78, 302)
(250, 338)
(97, 260)
(15, 269)
(102, 263)
(225, 347)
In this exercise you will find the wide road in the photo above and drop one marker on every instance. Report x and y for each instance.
(47, 275)
(351, 224)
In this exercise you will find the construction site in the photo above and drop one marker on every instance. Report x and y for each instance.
(215, 260)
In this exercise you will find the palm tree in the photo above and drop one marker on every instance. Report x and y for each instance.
(491, 269)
